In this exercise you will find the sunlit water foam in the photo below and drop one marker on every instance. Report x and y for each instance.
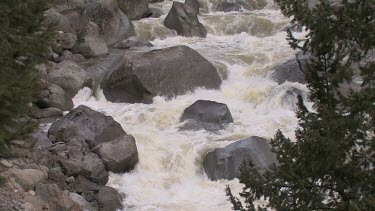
(169, 175)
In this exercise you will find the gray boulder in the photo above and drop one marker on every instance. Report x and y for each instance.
(240, 5)
(27, 178)
(206, 114)
(194, 4)
(69, 56)
(132, 42)
(290, 71)
(53, 95)
(108, 199)
(57, 21)
(134, 9)
(85, 125)
(184, 20)
(65, 40)
(42, 139)
(180, 69)
(119, 155)
(69, 76)
(224, 163)
(91, 44)
(85, 205)
(114, 25)
(87, 164)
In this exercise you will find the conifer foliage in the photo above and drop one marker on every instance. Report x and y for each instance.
(331, 163)
(23, 45)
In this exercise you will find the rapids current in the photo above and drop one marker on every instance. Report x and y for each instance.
(244, 47)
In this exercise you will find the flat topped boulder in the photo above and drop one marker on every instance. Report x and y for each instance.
(83, 124)
(138, 77)
(206, 114)
(224, 163)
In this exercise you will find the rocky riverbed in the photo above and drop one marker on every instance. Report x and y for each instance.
(152, 105)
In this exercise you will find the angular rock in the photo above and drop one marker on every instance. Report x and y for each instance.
(69, 76)
(91, 44)
(184, 20)
(86, 164)
(206, 114)
(43, 140)
(180, 69)
(132, 42)
(240, 5)
(134, 9)
(87, 126)
(53, 95)
(28, 178)
(108, 199)
(224, 163)
(119, 155)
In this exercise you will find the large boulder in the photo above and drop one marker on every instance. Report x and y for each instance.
(69, 76)
(206, 114)
(113, 24)
(224, 163)
(134, 9)
(167, 72)
(184, 20)
(91, 44)
(58, 22)
(119, 155)
(240, 5)
(85, 125)
(53, 95)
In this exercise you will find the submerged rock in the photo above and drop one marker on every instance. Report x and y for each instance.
(224, 163)
(184, 20)
(240, 5)
(136, 78)
(132, 42)
(206, 114)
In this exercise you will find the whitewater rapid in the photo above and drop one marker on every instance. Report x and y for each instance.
(244, 47)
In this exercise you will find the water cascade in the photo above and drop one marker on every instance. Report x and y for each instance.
(244, 47)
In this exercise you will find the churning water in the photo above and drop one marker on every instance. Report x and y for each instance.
(243, 47)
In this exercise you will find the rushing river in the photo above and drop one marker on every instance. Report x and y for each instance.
(244, 47)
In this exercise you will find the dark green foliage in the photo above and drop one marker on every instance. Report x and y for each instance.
(23, 45)
(330, 165)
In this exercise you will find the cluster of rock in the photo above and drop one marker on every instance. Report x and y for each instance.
(68, 167)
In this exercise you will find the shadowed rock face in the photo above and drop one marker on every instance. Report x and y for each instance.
(136, 78)
(205, 114)
(224, 163)
(184, 20)
(134, 9)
